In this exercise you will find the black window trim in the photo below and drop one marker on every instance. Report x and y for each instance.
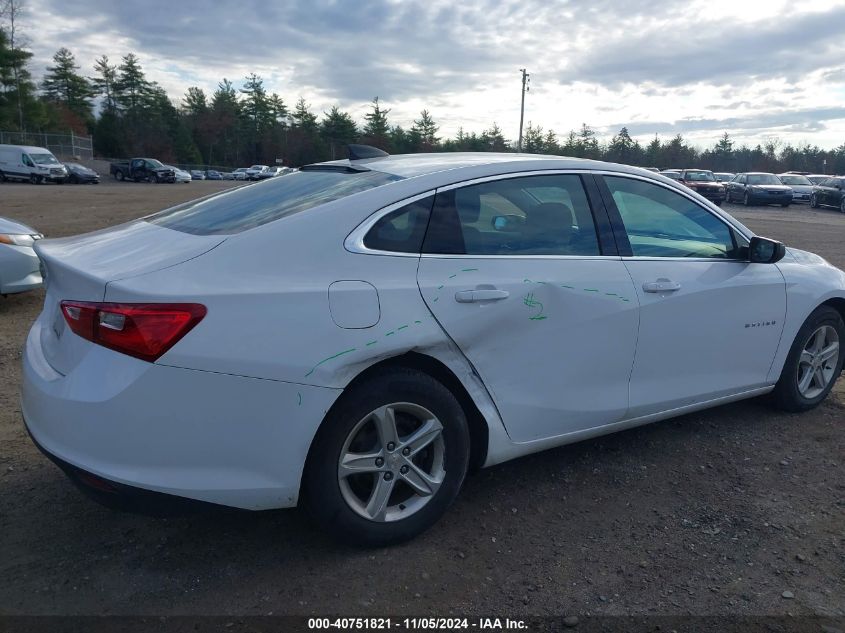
(737, 231)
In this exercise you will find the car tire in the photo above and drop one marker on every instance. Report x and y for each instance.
(346, 505)
(814, 201)
(796, 390)
(34, 180)
(152, 179)
(746, 199)
(118, 175)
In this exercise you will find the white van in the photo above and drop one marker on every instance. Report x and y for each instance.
(35, 164)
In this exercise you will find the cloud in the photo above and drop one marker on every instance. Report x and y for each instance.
(694, 63)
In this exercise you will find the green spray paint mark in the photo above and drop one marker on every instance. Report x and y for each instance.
(391, 333)
(565, 286)
(453, 276)
(468, 270)
(440, 287)
(418, 322)
(611, 294)
(300, 398)
(435, 299)
(402, 327)
(590, 289)
(325, 360)
(371, 343)
(530, 302)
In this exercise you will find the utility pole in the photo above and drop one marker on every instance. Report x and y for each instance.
(525, 88)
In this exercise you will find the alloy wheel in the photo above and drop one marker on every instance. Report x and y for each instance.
(392, 462)
(818, 363)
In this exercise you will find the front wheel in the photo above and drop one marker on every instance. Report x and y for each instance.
(842, 205)
(118, 175)
(152, 179)
(388, 460)
(746, 199)
(814, 201)
(34, 180)
(813, 363)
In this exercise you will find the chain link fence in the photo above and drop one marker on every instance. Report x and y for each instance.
(64, 146)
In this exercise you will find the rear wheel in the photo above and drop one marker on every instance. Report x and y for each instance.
(118, 175)
(34, 180)
(388, 460)
(746, 199)
(2, 177)
(813, 363)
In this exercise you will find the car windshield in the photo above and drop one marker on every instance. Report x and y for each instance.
(671, 174)
(795, 180)
(44, 159)
(244, 208)
(155, 164)
(763, 179)
(699, 176)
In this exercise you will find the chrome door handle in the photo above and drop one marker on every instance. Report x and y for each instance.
(480, 294)
(661, 285)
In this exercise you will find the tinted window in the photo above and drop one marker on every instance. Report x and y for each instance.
(247, 207)
(662, 223)
(530, 215)
(403, 230)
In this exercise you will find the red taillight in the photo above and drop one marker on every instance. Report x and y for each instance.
(142, 330)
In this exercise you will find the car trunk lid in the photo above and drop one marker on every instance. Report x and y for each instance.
(80, 267)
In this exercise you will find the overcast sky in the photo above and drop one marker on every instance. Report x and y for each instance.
(756, 69)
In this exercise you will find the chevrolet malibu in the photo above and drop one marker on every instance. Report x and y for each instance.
(356, 336)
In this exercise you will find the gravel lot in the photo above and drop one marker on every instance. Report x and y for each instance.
(716, 513)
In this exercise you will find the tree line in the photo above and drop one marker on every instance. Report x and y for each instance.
(130, 115)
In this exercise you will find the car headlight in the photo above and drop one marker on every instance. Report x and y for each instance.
(18, 240)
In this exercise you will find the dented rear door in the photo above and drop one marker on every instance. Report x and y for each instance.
(547, 318)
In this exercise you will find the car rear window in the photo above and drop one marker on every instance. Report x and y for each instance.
(253, 205)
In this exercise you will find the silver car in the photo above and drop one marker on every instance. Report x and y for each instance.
(20, 267)
(802, 187)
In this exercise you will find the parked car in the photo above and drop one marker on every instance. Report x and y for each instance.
(272, 172)
(816, 178)
(654, 169)
(20, 268)
(80, 174)
(33, 164)
(181, 175)
(211, 174)
(240, 173)
(345, 311)
(723, 176)
(703, 182)
(829, 193)
(253, 172)
(671, 173)
(758, 188)
(197, 174)
(227, 175)
(142, 169)
(801, 187)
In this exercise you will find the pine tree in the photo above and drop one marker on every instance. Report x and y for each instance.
(303, 118)
(376, 128)
(425, 129)
(104, 83)
(64, 85)
(337, 129)
(132, 90)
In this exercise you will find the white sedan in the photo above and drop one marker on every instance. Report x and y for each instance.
(356, 336)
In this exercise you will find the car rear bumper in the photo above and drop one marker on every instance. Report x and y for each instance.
(217, 438)
(20, 269)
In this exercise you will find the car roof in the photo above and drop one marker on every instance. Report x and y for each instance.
(411, 165)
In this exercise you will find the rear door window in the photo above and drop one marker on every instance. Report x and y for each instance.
(527, 215)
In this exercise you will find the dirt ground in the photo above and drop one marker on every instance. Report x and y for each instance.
(716, 513)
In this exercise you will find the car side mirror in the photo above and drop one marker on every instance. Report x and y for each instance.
(762, 250)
